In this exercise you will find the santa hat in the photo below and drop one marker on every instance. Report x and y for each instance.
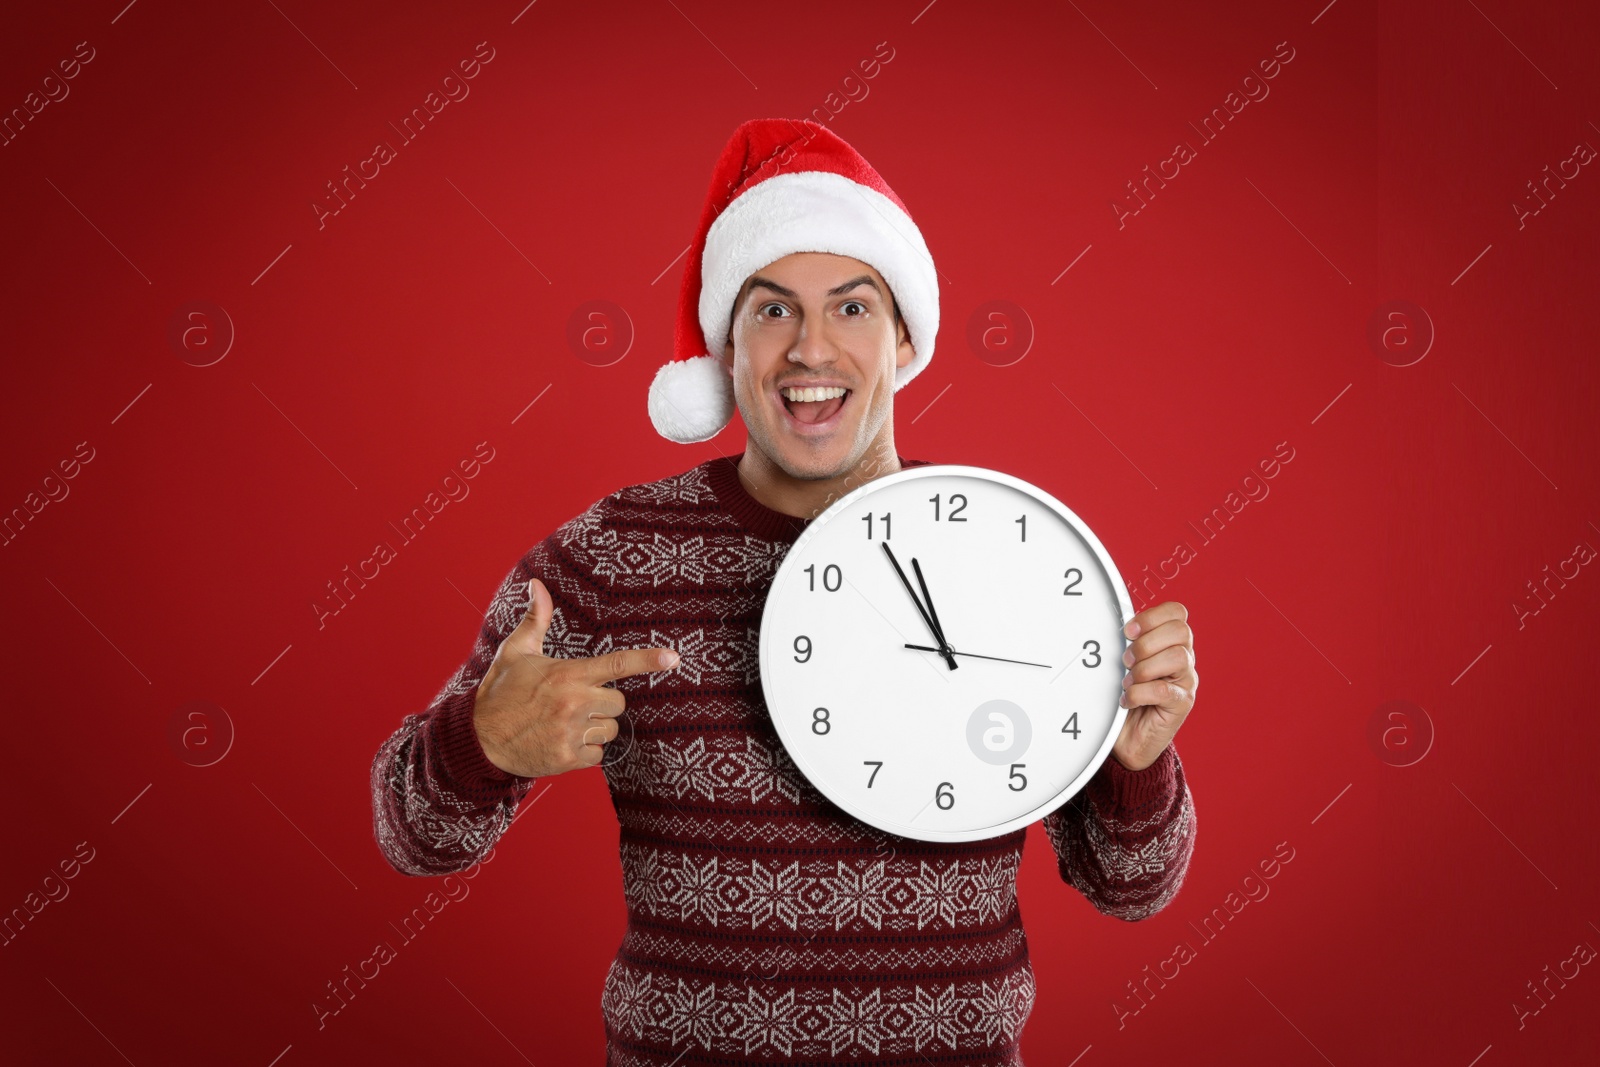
(783, 186)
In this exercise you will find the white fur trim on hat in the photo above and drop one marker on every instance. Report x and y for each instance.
(818, 211)
(691, 399)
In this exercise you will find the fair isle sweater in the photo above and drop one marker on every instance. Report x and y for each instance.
(764, 923)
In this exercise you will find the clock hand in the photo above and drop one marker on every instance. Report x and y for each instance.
(933, 611)
(974, 655)
(933, 629)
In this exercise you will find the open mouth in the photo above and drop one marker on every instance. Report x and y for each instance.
(814, 405)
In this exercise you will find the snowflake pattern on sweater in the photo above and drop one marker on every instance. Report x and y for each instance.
(764, 923)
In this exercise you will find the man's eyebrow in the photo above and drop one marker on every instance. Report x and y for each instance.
(767, 283)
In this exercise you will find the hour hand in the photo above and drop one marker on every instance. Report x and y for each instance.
(933, 612)
(944, 647)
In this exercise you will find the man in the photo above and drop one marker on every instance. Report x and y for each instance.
(764, 922)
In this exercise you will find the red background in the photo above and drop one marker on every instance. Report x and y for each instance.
(376, 352)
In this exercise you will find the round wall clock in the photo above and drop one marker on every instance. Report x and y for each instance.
(941, 653)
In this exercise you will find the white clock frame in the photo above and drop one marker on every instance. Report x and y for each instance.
(789, 724)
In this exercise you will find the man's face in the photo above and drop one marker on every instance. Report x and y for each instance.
(813, 320)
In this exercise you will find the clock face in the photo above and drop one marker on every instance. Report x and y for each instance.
(985, 572)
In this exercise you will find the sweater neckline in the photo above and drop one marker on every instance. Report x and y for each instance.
(723, 475)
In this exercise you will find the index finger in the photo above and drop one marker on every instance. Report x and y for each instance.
(1150, 618)
(1163, 637)
(627, 662)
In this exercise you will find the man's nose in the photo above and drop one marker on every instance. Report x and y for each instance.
(813, 348)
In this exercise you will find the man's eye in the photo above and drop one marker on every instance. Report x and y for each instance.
(854, 304)
(767, 310)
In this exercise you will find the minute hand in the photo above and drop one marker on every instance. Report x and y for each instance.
(944, 647)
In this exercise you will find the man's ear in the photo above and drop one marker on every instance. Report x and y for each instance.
(727, 352)
(906, 352)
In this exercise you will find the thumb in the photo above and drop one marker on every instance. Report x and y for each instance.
(528, 637)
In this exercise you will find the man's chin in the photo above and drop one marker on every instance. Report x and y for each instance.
(808, 458)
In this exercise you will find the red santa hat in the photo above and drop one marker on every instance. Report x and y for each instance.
(783, 186)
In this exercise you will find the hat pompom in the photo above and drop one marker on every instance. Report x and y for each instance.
(691, 399)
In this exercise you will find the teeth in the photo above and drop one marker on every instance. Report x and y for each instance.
(814, 394)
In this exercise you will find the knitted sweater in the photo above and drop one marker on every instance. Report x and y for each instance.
(764, 923)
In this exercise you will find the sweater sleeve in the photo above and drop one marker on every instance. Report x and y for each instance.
(1124, 842)
(438, 803)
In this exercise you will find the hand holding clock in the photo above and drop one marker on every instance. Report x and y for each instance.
(1159, 689)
